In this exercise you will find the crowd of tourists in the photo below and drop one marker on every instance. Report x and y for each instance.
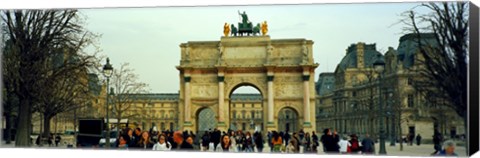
(240, 141)
(244, 141)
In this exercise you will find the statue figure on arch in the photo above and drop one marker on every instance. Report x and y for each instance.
(226, 29)
(264, 28)
(244, 17)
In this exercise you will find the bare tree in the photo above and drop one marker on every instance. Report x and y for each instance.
(35, 37)
(445, 59)
(66, 89)
(10, 99)
(127, 87)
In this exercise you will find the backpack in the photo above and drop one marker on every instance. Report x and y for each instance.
(354, 145)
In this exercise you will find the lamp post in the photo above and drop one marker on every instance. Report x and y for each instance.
(107, 72)
(392, 117)
(379, 66)
(112, 94)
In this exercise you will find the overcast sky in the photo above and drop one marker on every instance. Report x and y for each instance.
(149, 38)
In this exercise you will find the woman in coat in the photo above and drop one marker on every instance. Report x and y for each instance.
(225, 145)
(162, 144)
(145, 143)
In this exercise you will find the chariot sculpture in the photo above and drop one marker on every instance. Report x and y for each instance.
(245, 27)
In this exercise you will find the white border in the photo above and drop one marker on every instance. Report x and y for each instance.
(47, 4)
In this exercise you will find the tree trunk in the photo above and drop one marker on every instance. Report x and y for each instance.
(467, 139)
(46, 126)
(118, 121)
(40, 134)
(22, 137)
(400, 132)
(8, 127)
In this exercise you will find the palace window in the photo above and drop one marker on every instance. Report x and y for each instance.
(409, 81)
(410, 101)
(244, 126)
(252, 114)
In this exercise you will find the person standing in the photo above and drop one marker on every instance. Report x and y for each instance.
(258, 141)
(122, 142)
(314, 142)
(145, 142)
(162, 144)
(448, 149)
(286, 137)
(276, 141)
(344, 145)
(291, 147)
(269, 139)
(301, 134)
(411, 136)
(419, 139)
(355, 148)
(307, 143)
(225, 145)
(215, 137)
(57, 140)
(205, 141)
(247, 143)
(368, 145)
(330, 141)
(437, 140)
(181, 143)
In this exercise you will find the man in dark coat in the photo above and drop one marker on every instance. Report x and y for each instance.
(419, 139)
(258, 141)
(437, 140)
(205, 140)
(368, 146)
(330, 141)
(314, 141)
(215, 138)
(286, 137)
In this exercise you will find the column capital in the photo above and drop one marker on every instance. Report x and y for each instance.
(221, 78)
(306, 77)
(270, 78)
(187, 78)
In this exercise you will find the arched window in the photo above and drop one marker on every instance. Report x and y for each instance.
(162, 114)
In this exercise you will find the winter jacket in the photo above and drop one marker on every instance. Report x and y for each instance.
(231, 148)
(162, 147)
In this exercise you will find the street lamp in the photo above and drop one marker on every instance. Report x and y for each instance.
(392, 117)
(107, 72)
(379, 66)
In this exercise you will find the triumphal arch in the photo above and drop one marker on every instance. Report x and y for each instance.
(282, 70)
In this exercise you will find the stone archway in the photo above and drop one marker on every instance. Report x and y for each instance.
(246, 110)
(282, 70)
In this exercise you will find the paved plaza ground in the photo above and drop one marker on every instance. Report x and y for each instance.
(422, 150)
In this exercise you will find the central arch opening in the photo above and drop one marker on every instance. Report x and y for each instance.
(246, 108)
